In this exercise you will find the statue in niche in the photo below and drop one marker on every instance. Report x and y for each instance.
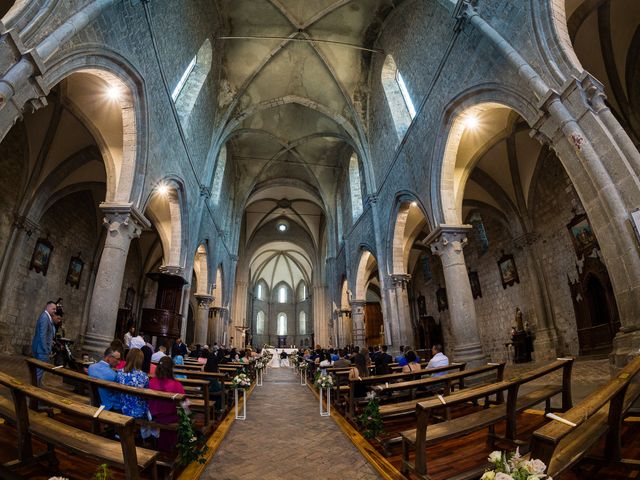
(519, 322)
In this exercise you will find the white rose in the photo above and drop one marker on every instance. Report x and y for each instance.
(503, 476)
(495, 456)
(536, 466)
(490, 475)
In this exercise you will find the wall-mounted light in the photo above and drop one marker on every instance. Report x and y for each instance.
(414, 204)
(471, 121)
(162, 189)
(113, 93)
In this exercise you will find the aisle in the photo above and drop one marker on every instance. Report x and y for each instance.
(284, 437)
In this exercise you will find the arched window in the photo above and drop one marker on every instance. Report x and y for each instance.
(219, 175)
(355, 186)
(480, 232)
(259, 292)
(282, 324)
(398, 98)
(282, 294)
(302, 329)
(260, 321)
(188, 87)
(302, 291)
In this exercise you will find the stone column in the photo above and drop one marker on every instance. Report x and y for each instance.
(447, 242)
(123, 223)
(357, 322)
(320, 316)
(404, 328)
(202, 318)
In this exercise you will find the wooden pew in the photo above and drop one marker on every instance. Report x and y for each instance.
(426, 433)
(560, 446)
(123, 453)
(207, 376)
(393, 377)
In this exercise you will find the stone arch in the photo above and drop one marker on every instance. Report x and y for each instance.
(125, 170)
(406, 204)
(365, 267)
(165, 206)
(201, 269)
(449, 178)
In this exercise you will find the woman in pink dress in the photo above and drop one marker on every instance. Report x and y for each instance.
(164, 411)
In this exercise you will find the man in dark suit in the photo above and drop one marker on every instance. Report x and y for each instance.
(382, 361)
(43, 337)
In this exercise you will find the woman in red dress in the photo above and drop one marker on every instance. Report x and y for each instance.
(164, 411)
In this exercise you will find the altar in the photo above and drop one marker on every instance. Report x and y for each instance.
(275, 361)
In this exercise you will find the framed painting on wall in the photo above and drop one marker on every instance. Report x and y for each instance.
(75, 272)
(474, 281)
(584, 241)
(508, 271)
(441, 299)
(41, 256)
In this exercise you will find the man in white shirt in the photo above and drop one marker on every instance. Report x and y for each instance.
(162, 352)
(438, 359)
(129, 335)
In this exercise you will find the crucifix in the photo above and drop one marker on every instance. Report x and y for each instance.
(244, 329)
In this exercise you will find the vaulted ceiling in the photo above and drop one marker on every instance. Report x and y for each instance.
(293, 106)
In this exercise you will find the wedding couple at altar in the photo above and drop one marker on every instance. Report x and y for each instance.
(280, 356)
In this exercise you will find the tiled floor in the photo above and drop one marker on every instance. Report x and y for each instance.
(285, 437)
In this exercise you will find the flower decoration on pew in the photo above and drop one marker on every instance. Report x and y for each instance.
(512, 466)
(303, 366)
(324, 381)
(191, 444)
(260, 364)
(370, 420)
(241, 382)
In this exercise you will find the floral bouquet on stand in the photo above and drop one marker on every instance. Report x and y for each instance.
(295, 361)
(511, 466)
(324, 381)
(241, 382)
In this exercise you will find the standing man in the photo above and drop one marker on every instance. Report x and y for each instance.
(43, 337)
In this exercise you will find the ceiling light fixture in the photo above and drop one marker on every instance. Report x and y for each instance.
(162, 189)
(113, 93)
(471, 121)
(282, 226)
(414, 204)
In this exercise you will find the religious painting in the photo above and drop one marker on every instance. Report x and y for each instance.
(422, 306)
(75, 272)
(474, 281)
(584, 241)
(441, 299)
(508, 271)
(41, 256)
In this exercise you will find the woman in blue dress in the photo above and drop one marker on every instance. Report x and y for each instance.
(133, 376)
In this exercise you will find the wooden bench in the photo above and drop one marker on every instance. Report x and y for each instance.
(560, 445)
(207, 376)
(122, 454)
(426, 433)
(390, 378)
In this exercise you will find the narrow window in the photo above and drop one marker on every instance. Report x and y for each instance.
(260, 321)
(259, 292)
(303, 323)
(282, 295)
(282, 324)
(480, 233)
(405, 95)
(356, 188)
(397, 94)
(183, 79)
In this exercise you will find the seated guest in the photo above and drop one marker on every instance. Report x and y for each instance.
(342, 361)
(179, 348)
(178, 361)
(137, 342)
(325, 362)
(164, 411)
(162, 352)
(133, 376)
(246, 358)
(358, 371)
(204, 354)
(118, 346)
(147, 367)
(104, 370)
(215, 385)
(413, 365)
(334, 355)
(438, 359)
(147, 342)
(400, 358)
(382, 361)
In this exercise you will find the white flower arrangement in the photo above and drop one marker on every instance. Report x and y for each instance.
(303, 365)
(241, 382)
(260, 363)
(511, 466)
(324, 381)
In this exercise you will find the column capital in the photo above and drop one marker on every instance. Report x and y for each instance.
(400, 280)
(447, 237)
(357, 305)
(173, 270)
(124, 218)
(204, 301)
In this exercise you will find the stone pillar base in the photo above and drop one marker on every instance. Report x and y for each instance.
(95, 344)
(471, 354)
(625, 346)
(545, 345)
